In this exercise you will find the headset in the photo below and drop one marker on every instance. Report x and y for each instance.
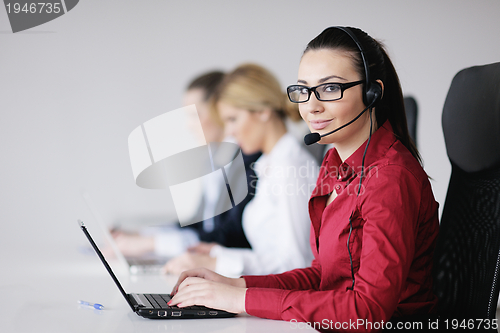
(372, 93)
(373, 90)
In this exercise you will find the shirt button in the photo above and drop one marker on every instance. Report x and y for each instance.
(338, 187)
(344, 168)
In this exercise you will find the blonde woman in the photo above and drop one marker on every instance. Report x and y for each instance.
(253, 108)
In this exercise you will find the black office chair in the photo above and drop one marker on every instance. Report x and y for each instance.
(467, 256)
(411, 110)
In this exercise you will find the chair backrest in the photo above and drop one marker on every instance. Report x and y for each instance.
(467, 256)
(411, 110)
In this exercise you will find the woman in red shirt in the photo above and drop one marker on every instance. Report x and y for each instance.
(374, 217)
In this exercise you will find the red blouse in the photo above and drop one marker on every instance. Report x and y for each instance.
(395, 225)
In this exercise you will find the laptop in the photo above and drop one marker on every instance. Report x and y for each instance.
(144, 264)
(154, 306)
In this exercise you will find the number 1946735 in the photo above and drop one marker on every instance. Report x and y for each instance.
(34, 8)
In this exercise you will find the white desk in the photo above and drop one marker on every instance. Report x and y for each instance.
(41, 296)
(40, 292)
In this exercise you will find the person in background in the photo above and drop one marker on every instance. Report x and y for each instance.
(253, 108)
(374, 217)
(224, 228)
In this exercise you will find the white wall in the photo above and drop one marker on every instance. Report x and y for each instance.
(72, 90)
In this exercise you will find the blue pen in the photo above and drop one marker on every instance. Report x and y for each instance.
(93, 305)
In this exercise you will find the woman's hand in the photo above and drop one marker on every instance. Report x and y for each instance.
(217, 295)
(210, 276)
(202, 248)
(188, 261)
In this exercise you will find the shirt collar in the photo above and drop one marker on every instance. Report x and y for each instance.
(381, 141)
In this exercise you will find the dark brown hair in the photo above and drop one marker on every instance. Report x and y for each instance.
(207, 82)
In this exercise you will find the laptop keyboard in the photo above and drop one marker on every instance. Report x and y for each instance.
(159, 301)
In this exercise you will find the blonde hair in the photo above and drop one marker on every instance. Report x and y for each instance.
(252, 87)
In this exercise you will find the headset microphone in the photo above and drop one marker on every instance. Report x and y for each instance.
(311, 138)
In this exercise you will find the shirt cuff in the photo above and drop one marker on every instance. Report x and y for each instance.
(264, 302)
(261, 281)
(229, 262)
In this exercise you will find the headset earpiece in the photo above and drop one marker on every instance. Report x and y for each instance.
(372, 94)
(373, 90)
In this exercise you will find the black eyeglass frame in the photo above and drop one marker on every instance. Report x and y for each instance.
(343, 86)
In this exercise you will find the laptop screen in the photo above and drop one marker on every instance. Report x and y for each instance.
(108, 268)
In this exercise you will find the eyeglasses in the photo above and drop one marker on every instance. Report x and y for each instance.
(324, 92)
